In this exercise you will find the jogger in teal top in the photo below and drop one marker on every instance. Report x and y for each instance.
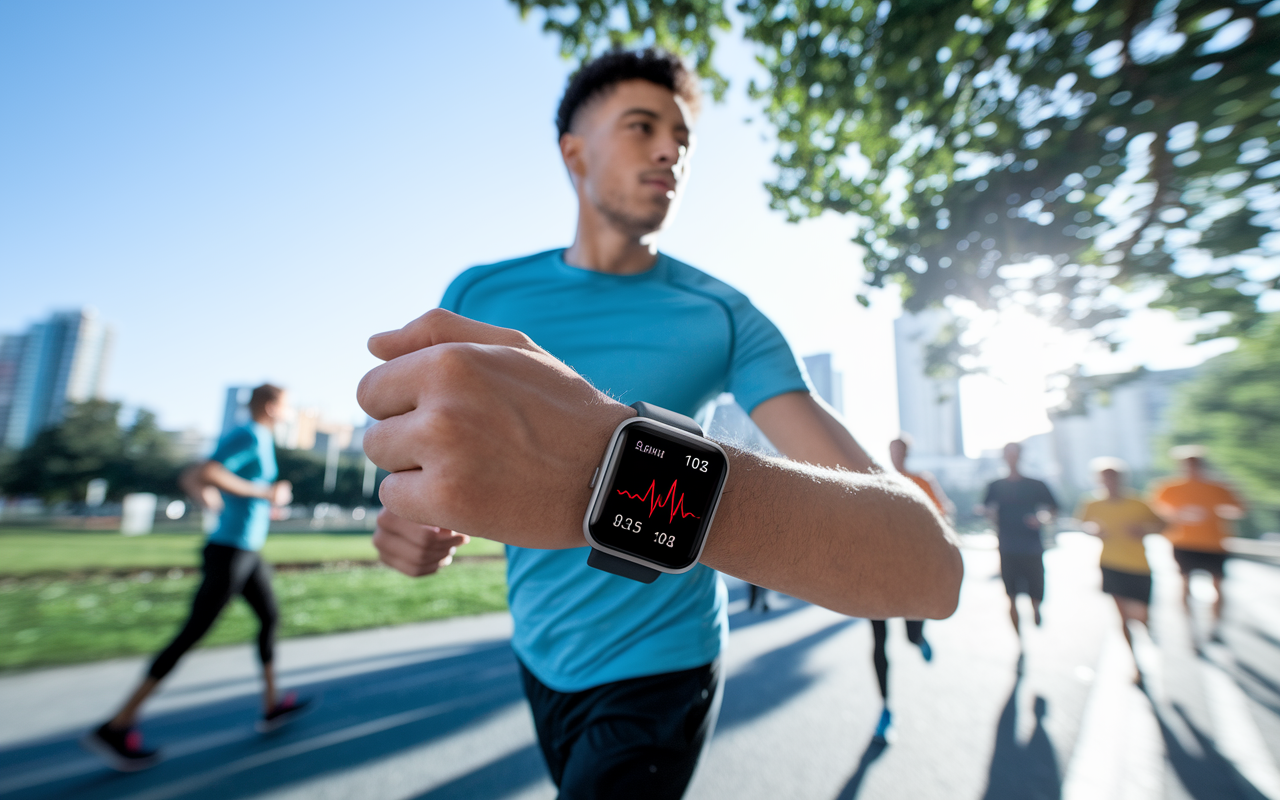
(243, 471)
(672, 336)
(623, 678)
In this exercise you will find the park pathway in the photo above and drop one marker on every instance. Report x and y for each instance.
(434, 710)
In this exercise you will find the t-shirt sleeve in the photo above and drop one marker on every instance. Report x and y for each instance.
(235, 450)
(989, 497)
(1046, 496)
(1082, 511)
(1148, 515)
(763, 364)
(1230, 498)
(452, 300)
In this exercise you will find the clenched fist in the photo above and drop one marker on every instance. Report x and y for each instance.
(483, 431)
(413, 548)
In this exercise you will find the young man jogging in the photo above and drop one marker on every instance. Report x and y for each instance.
(484, 431)
(1020, 506)
(1121, 520)
(243, 469)
(1196, 508)
(898, 450)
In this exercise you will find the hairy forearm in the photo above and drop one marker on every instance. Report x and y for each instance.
(218, 476)
(862, 544)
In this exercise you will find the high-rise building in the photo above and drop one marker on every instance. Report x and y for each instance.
(58, 361)
(827, 382)
(1129, 421)
(928, 407)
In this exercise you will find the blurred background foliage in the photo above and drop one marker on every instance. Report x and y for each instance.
(91, 443)
(1233, 408)
(1044, 154)
(138, 456)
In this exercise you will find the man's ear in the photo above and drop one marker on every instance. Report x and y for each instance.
(571, 147)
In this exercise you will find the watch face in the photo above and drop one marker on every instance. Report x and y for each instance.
(658, 501)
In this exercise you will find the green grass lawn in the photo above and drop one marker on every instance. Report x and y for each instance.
(45, 620)
(30, 551)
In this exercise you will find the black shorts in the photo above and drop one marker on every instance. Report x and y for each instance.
(1189, 560)
(1132, 585)
(1023, 573)
(638, 738)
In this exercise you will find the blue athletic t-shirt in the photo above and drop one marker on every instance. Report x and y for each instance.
(249, 452)
(674, 337)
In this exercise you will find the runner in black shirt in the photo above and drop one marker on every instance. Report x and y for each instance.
(1018, 505)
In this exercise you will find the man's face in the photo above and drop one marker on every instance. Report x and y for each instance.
(629, 153)
(279, 410)
(1111, 481)
(1012, 453)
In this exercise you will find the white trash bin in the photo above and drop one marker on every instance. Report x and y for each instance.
(138, 514)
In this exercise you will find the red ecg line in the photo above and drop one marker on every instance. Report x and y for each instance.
(656, 502)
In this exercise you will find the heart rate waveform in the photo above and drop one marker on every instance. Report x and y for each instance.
(675, 506)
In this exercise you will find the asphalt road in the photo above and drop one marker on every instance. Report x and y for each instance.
(435, 710)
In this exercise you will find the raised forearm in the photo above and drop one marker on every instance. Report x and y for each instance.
(218, 476)
(862, 544)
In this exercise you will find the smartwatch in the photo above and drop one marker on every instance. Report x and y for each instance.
(655, 495)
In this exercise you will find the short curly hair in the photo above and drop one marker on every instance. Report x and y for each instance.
(597, 76)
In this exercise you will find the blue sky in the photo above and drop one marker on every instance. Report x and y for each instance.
(246, 191)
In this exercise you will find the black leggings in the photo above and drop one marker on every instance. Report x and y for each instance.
(915, 634)
(228, 571)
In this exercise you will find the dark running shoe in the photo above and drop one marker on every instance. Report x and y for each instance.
(122, 749)
(286, 711)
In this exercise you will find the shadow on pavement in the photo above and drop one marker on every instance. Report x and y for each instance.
(772, 679)
(504, 776)
(1206, 775)
(875, 748)
(214, 752)
(1021, 770)
(782, 605)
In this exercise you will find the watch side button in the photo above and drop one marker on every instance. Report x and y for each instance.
(594, 475)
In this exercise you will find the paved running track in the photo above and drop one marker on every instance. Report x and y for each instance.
(435, 711)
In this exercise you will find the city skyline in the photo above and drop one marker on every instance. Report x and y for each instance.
(58, 360)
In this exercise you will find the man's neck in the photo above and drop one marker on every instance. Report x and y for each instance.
(264, 421)
(602, 248)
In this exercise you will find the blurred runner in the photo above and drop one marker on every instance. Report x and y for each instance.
(898, 450)
(1196, 508)
(1121, 520)
(243, 469)
(757, 593)
(1020, 506)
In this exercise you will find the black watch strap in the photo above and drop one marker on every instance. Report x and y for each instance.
(620, 566)
(650, 411)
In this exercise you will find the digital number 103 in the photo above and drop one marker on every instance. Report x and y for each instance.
(696, 463)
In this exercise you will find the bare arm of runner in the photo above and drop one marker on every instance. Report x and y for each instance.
(485, 432)
(211, 473)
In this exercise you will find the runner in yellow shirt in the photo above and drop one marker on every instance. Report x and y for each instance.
(1121, 520)
(1196, 509)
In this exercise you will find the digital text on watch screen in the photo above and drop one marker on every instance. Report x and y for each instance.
(656, 505)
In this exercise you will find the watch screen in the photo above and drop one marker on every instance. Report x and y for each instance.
(657, 503)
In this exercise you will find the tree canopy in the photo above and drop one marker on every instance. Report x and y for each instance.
(90, 443)
(1047, 153)
(1233, 409)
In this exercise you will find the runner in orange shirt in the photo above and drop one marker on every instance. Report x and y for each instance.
(915, 628)
(1196, 508)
